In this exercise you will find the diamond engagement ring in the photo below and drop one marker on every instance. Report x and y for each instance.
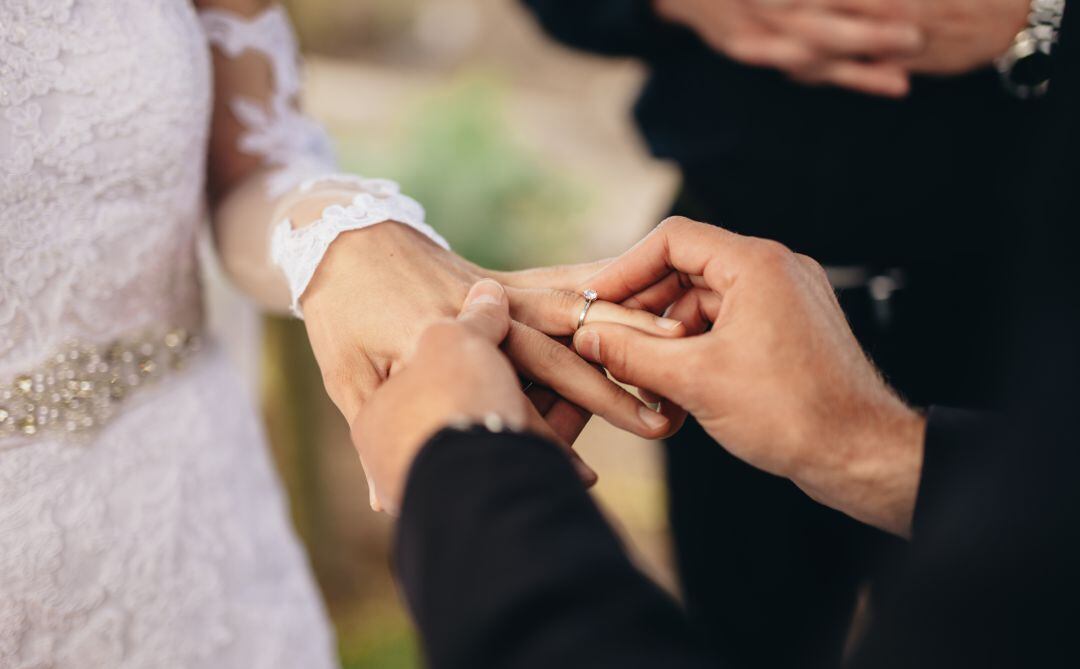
(590, 297)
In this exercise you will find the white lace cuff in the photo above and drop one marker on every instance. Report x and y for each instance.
(298, 252)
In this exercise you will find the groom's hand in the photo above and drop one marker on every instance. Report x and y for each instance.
(775, 374)
(455, 375)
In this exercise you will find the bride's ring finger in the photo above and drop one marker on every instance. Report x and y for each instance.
(561, 312)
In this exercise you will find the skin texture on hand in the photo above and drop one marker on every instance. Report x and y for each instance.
(963, 35)
(847, 43)
(772, 371)
(379, 288)
(455, 373)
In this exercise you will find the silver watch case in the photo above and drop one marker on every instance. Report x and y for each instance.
(1035, 41)
(1025, 46)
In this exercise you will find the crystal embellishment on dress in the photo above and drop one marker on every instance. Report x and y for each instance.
(82, 386)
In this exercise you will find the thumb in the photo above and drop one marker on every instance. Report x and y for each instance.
(655, 363)
(486, 311)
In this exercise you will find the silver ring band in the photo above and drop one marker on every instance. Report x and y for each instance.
(590, 297)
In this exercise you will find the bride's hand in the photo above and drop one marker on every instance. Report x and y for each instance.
(377, 289)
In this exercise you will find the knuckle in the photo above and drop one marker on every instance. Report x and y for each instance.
(550, 356)
(565, 300)
(813, 266)
(615, 399)
(772, 256)
(677, 225)
(667, 226)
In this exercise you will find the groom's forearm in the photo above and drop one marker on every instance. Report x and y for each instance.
(506, 562)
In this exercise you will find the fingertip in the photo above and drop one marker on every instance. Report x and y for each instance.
(587, 345)
(670, 327)
(676, 417)
(586, 473)
(485, 291)
(897, 87)
(656, 422)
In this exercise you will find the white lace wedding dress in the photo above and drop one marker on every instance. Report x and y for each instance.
(155, 534)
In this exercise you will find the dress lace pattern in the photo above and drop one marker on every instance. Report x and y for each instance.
(278, 132)
(300, 251)
(162, 540)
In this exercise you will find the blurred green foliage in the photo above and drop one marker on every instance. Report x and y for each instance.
(384, 640)
(494, 200)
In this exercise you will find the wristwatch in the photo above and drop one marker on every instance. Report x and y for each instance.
(1026, 67)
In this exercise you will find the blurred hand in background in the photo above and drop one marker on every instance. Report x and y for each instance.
(872, 46)
(850, 43)
(963, 35)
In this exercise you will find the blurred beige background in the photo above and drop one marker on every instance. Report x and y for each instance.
(524, 154)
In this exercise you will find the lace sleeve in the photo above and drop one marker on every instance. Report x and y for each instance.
(272, 170)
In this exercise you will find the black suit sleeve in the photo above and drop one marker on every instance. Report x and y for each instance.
(608, 27)
(956, 442)
(992, 579)
(505, 561)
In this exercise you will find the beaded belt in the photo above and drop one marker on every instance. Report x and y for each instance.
(82, 385)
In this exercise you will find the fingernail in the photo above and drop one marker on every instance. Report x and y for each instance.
(588, 346)
(486, 291)
(668, 323)
(654, 420)
(373, 500)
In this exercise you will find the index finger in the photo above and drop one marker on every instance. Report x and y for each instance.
(847, 34)
(486, 311)
(676, 245)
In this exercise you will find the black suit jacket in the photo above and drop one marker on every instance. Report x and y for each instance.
(506, 562)
(843, 177)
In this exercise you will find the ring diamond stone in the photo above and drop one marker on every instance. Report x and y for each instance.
(590, 296)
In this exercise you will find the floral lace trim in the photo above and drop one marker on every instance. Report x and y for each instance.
(299, 252)
(277, 131)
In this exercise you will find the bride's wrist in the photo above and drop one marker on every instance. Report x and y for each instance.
(357, 252)
(301, 250)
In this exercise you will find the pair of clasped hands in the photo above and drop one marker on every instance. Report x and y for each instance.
(871, 46)
(740, 332)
